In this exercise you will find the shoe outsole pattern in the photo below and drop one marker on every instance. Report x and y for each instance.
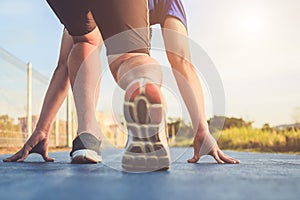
(144, 115)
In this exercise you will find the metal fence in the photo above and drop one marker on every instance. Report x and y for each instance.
(22, 91)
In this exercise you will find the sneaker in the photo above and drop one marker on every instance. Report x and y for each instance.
(147, 147)
(86, 149)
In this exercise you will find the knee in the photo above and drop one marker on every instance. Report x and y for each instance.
(62, 62)
(94, 38)
(62, 65)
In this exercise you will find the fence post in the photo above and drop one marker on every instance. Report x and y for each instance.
(29, 95)
(69, 120)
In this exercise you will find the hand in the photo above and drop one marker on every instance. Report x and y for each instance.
(37, 143)
(205, 144)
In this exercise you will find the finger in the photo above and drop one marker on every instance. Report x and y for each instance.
(14, 157)
(193, 160)
(24, 156)
(11, 159)
(227, 158)
(217, 158)
(44, 153)
(20, 156)
(231, 160)
(8, 159)
(26, 149)
(47, 158)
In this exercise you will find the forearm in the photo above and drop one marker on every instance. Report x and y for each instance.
(55, 96)
(192, 93)
(178, 52)
(58, 88)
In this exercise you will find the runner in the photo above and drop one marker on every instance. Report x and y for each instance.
(171, 16)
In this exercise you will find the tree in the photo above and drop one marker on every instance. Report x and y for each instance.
(266, 127)
(221, 122)
(7, 123)
(178, 127)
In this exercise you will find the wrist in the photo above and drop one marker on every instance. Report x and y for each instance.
(203, 130)
(42, 130)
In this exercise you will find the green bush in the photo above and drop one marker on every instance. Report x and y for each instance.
(260, 140)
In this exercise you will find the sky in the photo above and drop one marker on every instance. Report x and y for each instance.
(254, 44)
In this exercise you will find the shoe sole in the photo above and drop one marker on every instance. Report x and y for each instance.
(85, 156)
(144, 115)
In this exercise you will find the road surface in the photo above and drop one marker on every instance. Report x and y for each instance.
(259, 176)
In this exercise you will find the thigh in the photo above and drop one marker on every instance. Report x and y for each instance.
(124, 25)
(75, 15)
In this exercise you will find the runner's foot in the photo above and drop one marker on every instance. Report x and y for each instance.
(86, 150)
(147, 148)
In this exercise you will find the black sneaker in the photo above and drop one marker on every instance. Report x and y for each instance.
(86, 149)
(147, 147)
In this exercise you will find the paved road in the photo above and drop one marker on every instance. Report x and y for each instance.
(259, 176)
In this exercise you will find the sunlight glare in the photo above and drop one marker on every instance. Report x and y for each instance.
(251, 24)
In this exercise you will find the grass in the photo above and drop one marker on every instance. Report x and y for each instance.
(250, 139)
(258, 140)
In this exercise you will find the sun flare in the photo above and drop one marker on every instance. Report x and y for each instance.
(251, 24)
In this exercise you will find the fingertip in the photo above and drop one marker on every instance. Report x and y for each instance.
(216, 157)
(50, 160)
(192, 160)
(21, 160)
(234, 161)
(220, 161)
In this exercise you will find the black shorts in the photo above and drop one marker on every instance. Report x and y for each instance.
(124, 24)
